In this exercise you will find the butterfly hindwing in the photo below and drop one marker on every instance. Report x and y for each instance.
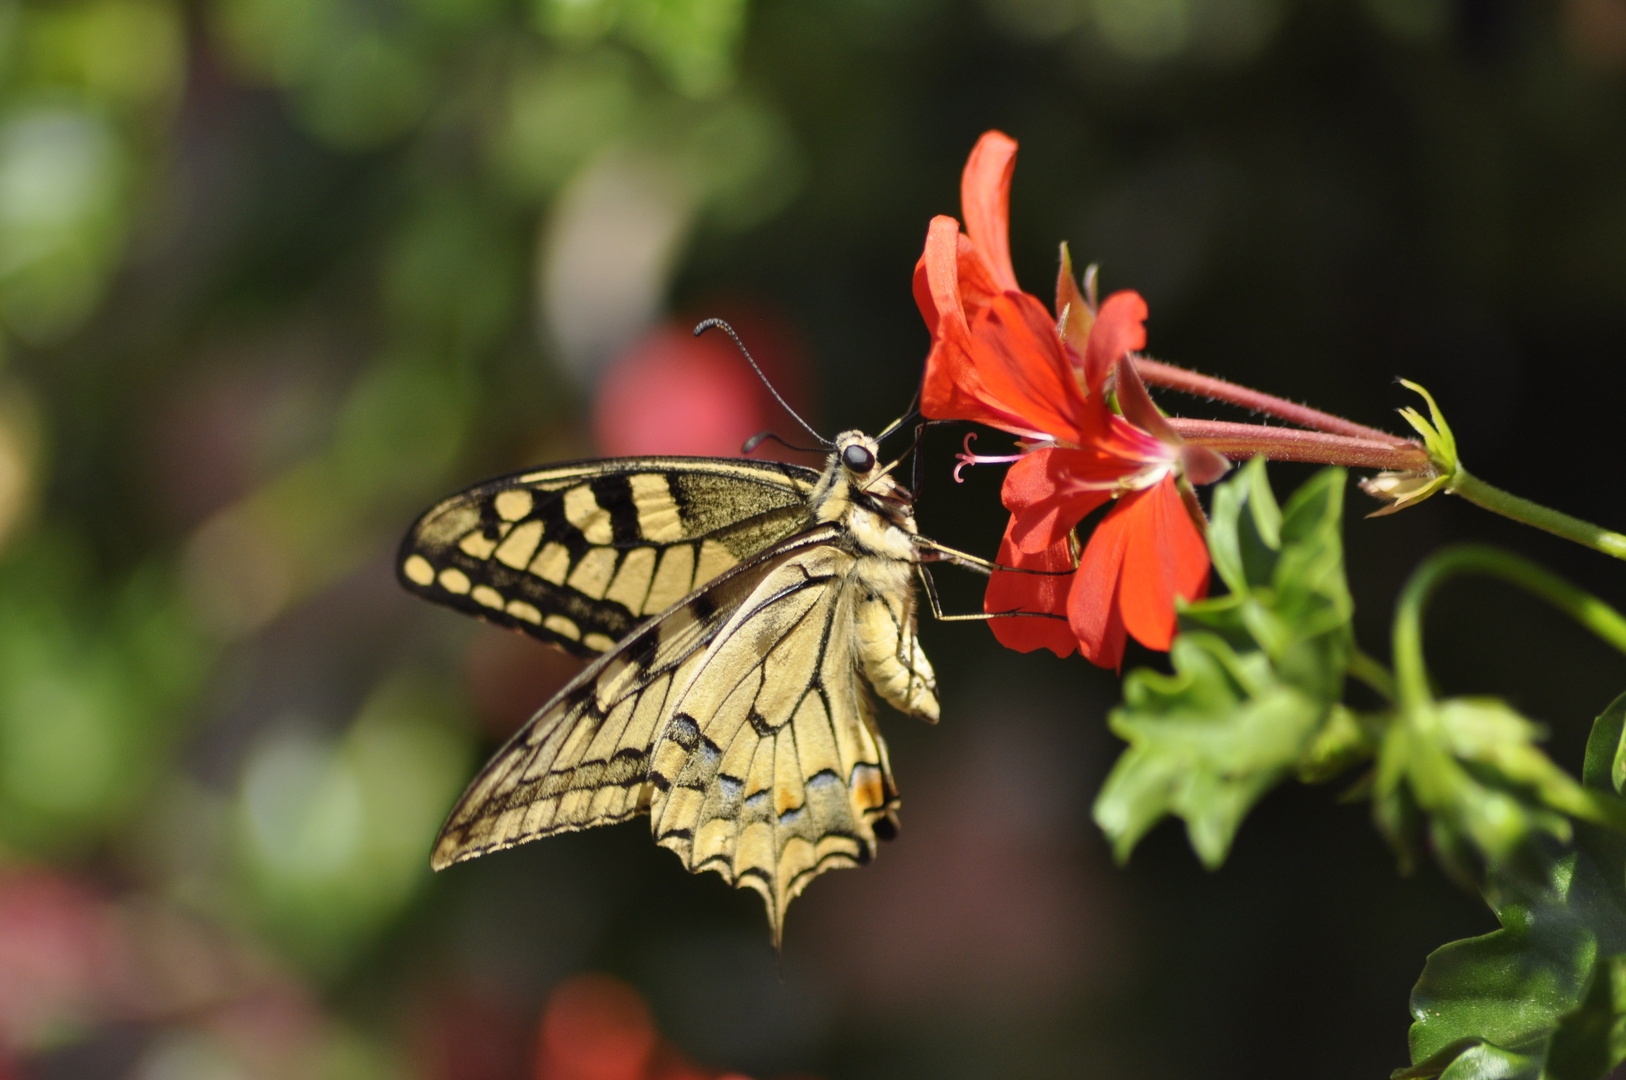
(577, 555)
(583, 759)
(771, 769)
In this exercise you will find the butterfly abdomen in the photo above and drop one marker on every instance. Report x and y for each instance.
(889, 653)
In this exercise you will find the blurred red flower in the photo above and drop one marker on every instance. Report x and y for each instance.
(61, 960)
(595, 1028)
(673, 393)
(999, 358)
(598, 1028)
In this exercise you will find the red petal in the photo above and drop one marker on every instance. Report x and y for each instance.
(985, 192)
(1071, 304)
(1138, 408)
(979, 283)
(922, 287)
(1119, 328)
(1021, 364)
(1166, 557)
(1040, 593)
(937, 275)
(1044, 501)
(951, 388)
(1092, 606)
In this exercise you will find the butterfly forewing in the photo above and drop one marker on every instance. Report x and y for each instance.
(577, 555)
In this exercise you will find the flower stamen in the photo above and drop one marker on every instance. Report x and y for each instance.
(966, 457)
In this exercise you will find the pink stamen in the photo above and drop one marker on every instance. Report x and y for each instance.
(966, 457)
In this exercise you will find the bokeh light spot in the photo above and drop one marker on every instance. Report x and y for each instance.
(1144, 30)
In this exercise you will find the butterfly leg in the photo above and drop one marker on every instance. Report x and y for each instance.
(932, 551)
(979, 616)
(937, 605)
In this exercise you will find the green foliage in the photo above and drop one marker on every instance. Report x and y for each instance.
(330, 834)
(1257, 672)
(89, 93)
(1255, 697)
(1545, 996)
(1473, 766)
(88, 697)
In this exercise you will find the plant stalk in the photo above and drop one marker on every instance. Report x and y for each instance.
(1157, 373)
(1242, 441)
(1497, 501)
(1411, 673)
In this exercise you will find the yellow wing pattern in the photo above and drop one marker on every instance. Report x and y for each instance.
(577, 555)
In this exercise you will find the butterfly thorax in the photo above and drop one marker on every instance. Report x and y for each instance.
(876, 512)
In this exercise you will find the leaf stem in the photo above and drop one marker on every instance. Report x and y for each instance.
(1411, 674)
(1242, 441)
(1370, 671)
(1158, 373)
(1497, 501)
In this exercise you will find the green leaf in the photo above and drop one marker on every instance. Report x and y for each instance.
(1245, 528)
(1285, 570)
(1343, 741)
(1436, 433)
(1257, 674)
(1544, 996)
(1204, 744)
(1605, 765)
(1473, 1059)
(1591, 1040)
(1473, 766)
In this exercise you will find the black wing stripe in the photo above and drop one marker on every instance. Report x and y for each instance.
(613, 493)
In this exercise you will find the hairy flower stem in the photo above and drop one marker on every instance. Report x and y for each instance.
(1411, 675)
(1157, 373)
(1333, 440)
(1242, 441)
(1497, 501)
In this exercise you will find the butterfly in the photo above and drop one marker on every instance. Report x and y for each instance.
(738, 614)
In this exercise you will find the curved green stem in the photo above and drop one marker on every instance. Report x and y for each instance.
(1411, 676)
(1497, 501)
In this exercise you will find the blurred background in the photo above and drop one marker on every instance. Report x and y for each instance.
(277, 274)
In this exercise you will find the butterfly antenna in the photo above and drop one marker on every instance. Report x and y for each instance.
(764, 436)
(707, 324)
(913, 413)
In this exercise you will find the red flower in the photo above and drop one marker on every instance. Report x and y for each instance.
(999, 358)
(598, 1028)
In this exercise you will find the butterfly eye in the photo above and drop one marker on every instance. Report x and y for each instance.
(858, 458)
